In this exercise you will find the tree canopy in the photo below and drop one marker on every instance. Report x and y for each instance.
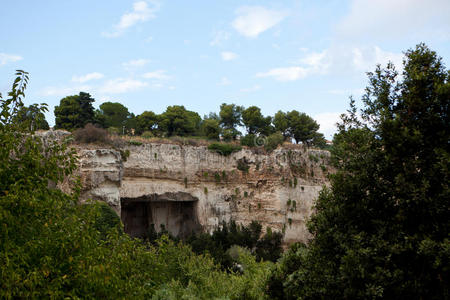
(32, 117)
(74, 111)
(255, 122)
(113, 114)
(381, 229)
(177, 120)
(230, 115)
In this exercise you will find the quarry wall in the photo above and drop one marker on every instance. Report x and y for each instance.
(185, 188)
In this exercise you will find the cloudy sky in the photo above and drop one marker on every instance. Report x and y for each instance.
(304, 55)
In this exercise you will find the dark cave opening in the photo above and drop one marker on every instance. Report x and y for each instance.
(176, 212)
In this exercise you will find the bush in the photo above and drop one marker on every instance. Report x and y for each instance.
(224, 149)
(273, 141)
(217, 244)
(147, 134)
(243, 165)
(91, 134)
(106, 220)
(135, 143)
(248, 140)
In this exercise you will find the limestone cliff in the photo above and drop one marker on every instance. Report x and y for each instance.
(186, 188)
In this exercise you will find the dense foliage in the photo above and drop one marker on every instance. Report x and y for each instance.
(32, 117)
(223, 148)
(75, 111)
(219, 244)
(114, 114)
(382, 229)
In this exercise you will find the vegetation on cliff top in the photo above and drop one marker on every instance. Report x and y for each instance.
(76, 111)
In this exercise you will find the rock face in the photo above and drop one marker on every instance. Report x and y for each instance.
(188, 188)
(101, 173)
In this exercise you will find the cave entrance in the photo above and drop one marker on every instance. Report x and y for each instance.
(175, 212)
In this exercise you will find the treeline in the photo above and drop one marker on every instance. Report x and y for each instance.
(76, 111)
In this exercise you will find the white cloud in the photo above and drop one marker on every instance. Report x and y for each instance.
(158, 74)
(121, 85)
(327, 122)
(226, 55)
(336, 60)
(64, 91)
(7, 58)
(285, 74)
(365, 59)
(251, 89)
(219, 38)
(396, 19)
(142, 12)
(253, 20)
(316, 62)
(149, 39)
(135, 64)
(225, 81)
(87, 77)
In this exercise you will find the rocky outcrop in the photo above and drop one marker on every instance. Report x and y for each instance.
(101, 173)
(180, 187)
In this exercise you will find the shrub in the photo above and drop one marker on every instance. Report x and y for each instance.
(243, 165)
(217, 244)
(135, 143)
(106, 220)
(223, 148)
(147, 134)
(91, 134)
(248, 140)
(273, 141)
(124, 154)
(217, 177)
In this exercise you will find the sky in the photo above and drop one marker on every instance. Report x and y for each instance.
(149, 54)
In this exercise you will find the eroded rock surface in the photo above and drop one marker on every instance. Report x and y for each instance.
(184, 188)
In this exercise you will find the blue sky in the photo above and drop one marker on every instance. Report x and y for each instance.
(279, 55)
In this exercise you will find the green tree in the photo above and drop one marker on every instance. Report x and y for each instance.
(281, 123)
(74, 111)
(319, 140)
(211, 129)
(114, 114)
(231, 117)
(382, 229)
(255, 122)
(177, 120)
(302, 127)
(147, 121)
(32, 117)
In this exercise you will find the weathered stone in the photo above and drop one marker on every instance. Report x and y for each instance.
(218, 191)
